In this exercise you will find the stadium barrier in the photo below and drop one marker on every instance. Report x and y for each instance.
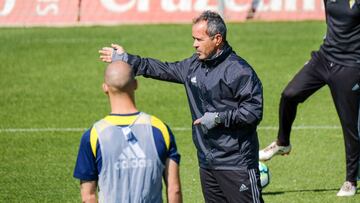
(94, 12)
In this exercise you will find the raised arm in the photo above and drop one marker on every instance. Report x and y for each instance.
(172, 181)
(88, 191)
(148, 67)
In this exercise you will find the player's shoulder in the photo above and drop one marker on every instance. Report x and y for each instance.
(91, 137)
(158, 123)
(86, 135)
(160, 127)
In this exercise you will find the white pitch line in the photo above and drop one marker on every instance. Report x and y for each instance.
(304, 127)
(26, 130)
(14, 130)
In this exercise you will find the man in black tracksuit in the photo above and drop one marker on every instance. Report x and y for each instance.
(336, 64)
(225, 98)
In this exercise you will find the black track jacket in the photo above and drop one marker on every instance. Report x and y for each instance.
(226, 84)
(342, 42)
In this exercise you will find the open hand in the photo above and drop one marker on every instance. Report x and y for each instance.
(106, 53)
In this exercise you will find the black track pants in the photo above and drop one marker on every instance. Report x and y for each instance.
(314, 75)
(231, 186)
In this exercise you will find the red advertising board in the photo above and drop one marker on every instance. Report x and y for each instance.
(290, 10)
(175, 11)
(70, 12)
(38, 12)
(142, 11)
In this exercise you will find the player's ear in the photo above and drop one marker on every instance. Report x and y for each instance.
(105, 88)
(218, 39)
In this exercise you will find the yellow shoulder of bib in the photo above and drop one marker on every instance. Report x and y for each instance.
(93, 140)
(164, 131)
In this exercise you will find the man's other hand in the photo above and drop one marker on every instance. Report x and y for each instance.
(207, 121)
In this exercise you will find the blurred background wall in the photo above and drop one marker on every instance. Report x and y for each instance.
(102, 12)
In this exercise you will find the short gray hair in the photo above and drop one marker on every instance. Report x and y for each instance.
(215, 24)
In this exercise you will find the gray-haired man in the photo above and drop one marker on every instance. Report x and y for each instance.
(225, 98)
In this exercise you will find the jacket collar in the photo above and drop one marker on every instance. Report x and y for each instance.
(216, 59)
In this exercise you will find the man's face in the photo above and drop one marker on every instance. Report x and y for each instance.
(205, 45)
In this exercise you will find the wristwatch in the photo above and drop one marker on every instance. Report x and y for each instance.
(217, 119)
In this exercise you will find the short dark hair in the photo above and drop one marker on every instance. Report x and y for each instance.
(215, 24)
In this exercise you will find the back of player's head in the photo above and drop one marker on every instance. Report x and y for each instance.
(215, 24)
(119, 77)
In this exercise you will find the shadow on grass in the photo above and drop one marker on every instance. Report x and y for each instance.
(294, 191)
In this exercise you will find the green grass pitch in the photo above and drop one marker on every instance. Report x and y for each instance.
(51, 78)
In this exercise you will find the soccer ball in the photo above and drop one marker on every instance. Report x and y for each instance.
(264, 174)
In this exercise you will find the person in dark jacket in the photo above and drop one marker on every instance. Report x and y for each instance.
(226, 103)
(336, 64)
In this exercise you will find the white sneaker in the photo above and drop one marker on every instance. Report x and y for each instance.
(272, 150)
(347, 190)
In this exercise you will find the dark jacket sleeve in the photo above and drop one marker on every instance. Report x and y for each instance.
(248, 90)
(153, 68)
